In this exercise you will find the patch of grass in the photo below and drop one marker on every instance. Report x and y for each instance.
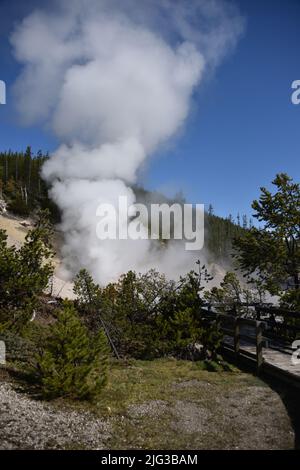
(136, 381)
(173, 404)
(139, 381)
(217, 366)
(193, 413)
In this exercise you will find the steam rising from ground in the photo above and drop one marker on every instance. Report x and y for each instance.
(114, 80)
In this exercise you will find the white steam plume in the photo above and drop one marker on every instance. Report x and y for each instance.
(114, 81)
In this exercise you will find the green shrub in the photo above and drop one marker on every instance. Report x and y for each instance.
(72, 363)
(24, 274)
(147, 316)
(211, 338)
(290, 300)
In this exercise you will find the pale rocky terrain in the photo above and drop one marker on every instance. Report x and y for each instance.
(16, 229)
(29, 424)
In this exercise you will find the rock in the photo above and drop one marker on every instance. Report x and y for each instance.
(25, 224)
(29, 424)
(3, 209)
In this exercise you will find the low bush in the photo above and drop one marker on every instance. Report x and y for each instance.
(71, 363)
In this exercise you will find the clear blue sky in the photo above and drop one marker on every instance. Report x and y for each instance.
(243, 128)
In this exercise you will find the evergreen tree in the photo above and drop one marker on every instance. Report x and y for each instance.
(71, 363)
(22, 185)
(87, 292)
(272, 253)
(90, 300)
(24, 273)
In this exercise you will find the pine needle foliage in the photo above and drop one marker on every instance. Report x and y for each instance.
(72, 363)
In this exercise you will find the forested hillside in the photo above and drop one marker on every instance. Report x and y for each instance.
(21, 184)
(24, 190)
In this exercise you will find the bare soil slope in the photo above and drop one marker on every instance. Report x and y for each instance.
(16, 229)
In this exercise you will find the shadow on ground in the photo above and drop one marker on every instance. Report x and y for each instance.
(289, 395)
(290, 398)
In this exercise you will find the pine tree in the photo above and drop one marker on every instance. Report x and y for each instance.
(87, 292)
(72, 364)
(24, 273)
(89, 300)
(273, 252)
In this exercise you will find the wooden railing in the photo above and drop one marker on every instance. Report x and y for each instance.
(245, 339)
(236, 333)
(279, 323)
(267, 325)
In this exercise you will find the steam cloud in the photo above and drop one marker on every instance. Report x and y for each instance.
(114, 80)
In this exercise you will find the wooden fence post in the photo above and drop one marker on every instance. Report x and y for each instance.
(259, 345)
(237, 337)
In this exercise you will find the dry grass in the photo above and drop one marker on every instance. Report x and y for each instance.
(170, 404)
(164, 404)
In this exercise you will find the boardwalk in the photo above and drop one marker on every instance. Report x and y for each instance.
(279, 357)
(254, 342)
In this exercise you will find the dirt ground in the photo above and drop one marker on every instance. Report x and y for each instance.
(162, 404)
(16, 229)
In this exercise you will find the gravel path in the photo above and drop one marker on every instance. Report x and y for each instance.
(30, 424)
(200, 415)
